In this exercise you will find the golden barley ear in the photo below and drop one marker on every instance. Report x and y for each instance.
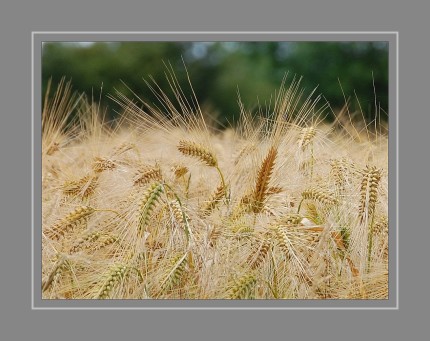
(283, 240)
(180, 216)
(291, 219)
(243, 288)
(145, 175)
(240, 228)
(214, 235)
(102, 164)
(369, 192)
(381, 226)
(179, 170)
(244, 152)
(122, 148)
(258, 256)
(306, 137)
(85, 241)
(320, 195)
(214, 200)
(60, 267)
(72, 220)
(84, 187)
(198, 151)
(261, 190)
(53, 148)
(104, 241)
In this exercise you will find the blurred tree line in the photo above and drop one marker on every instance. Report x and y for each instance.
(220, 70)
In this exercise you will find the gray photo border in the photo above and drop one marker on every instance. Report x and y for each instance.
(37, 303)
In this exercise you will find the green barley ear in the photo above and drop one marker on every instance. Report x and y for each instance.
(240, 229)
(369, 192)
(313, 214)
(115, 275)
(147, 204)
(243, 288)
(176, 273)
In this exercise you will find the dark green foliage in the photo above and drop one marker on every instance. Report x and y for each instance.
(219, 70)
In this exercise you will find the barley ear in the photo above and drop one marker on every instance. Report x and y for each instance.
(261, 190)
(147, 174)
(116, 274)
(176, 273)
(196, 150)
(214, 200)
(369, 192)
(75, 218)
(243, 288)
(147, 204)
(257, 258)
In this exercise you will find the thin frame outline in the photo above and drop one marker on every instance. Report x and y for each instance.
(208, 33)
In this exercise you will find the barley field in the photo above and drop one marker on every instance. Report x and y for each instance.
(163, 204)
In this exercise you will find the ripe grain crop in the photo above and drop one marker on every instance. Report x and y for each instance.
(162, 205)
